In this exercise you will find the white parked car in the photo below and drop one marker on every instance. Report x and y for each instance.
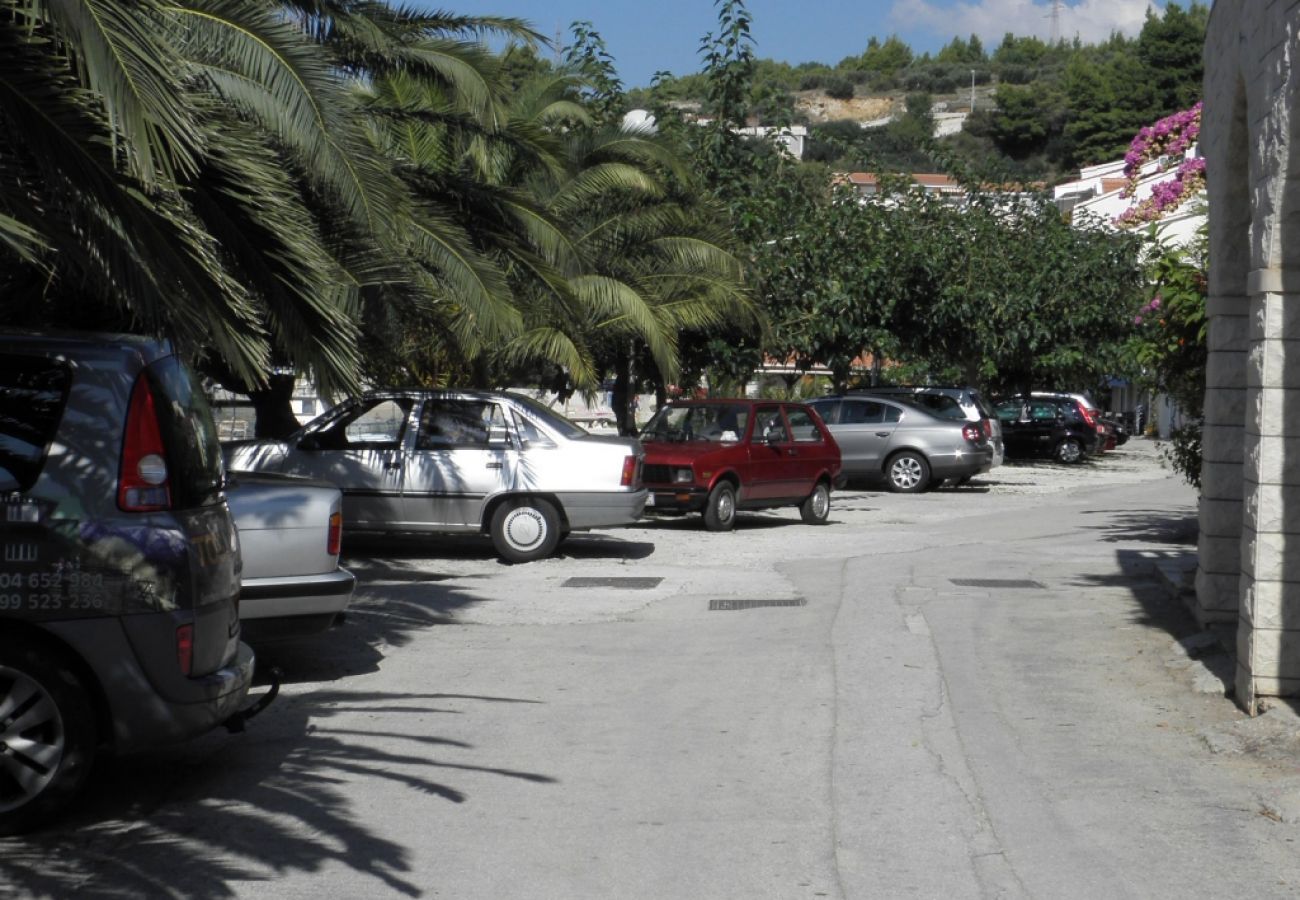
(290, 530)
(462, 461)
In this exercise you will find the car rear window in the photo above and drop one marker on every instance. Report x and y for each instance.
(194, 453)
(549, 418)
(33, 391)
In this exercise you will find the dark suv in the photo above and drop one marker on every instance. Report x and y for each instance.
(1054, 426)
(119, 625)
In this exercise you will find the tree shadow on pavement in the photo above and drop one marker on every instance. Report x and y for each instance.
(379, 617)
(1153, 526)
(206, 819)
(363, 553)
(1159, 603)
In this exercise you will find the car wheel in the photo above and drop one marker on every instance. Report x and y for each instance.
(1069, 451)
(720, 512)
(525, 529)
(907, 473)
(816, 507)
(47, 735)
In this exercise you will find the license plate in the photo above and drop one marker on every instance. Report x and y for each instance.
(650, 500)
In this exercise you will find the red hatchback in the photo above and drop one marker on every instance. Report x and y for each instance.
(721, 456)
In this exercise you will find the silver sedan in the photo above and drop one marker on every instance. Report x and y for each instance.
(462, 461)
(909, 447)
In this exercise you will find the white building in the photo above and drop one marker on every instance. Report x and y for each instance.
(1096, 196)
(791, 138)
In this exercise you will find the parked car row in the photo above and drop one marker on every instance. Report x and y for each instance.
(136, 560)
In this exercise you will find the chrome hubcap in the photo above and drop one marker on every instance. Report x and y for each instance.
(907, 472)
(32, 739)
(821, 502)
(726, 507)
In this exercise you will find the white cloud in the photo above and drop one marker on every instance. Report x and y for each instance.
(1089, 20)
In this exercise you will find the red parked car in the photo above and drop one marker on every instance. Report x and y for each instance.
(719, 456)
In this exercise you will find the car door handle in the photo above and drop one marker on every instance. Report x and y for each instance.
(792, 451)
(496, 465)
(882, 434)
(392, 465)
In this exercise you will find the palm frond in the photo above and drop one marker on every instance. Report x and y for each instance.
(546, 344)
(621, 308)
(121, 54)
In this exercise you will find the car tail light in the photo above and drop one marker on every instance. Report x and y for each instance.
(142, 484)
(987, 425)
(629, 472)
(1089, 415)
(185, 648)
(972, 433)
(335, 539)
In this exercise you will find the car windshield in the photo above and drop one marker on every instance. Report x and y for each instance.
(717, 422)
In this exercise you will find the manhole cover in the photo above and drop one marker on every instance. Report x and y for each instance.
(997, 583)
(624, 584)
(715, 605)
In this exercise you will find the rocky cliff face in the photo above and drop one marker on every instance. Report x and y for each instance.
(821, 108)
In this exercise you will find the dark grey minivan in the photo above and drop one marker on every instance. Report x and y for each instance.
(119, 563)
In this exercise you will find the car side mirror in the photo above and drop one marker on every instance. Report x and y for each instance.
(310, 442)
(772, 435)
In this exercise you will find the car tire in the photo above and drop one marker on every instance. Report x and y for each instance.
(816, 507)
(720, 511)
(1069, 451)
(47, 737)
(907, 473)
(525, 529)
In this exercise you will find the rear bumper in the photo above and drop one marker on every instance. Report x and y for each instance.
(142, 716)
(973, 463)
(602, 509)
(296, 595)
(682, 498)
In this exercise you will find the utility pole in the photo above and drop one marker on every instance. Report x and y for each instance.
(1056, 21)
(559, 36)
(972, 91)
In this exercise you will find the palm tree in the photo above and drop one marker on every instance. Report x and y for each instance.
(207, 170)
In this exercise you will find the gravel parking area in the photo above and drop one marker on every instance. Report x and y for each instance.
(466, 584)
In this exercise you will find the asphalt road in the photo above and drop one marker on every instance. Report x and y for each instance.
(978, 692)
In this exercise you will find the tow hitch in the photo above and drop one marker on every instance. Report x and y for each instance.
(236, 722)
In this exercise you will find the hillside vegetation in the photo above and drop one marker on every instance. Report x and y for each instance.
(1041, 110)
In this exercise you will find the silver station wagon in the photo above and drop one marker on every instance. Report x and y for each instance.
(462, 461)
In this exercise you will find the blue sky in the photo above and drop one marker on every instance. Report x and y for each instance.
(645, 37)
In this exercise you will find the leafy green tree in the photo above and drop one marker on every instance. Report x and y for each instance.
(1021, 52)
(887, 58)
(1109, 96)
(1021, 124)
(1171, 48)
(1168, 345)
(1007, 295)
(963, 53)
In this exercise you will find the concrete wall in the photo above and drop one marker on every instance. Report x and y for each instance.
(1250, 509)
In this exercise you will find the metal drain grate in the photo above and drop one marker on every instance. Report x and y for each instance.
(997, 583)
(715, 605)
(623, 584)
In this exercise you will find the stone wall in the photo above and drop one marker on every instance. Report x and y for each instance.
(1250, 511)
